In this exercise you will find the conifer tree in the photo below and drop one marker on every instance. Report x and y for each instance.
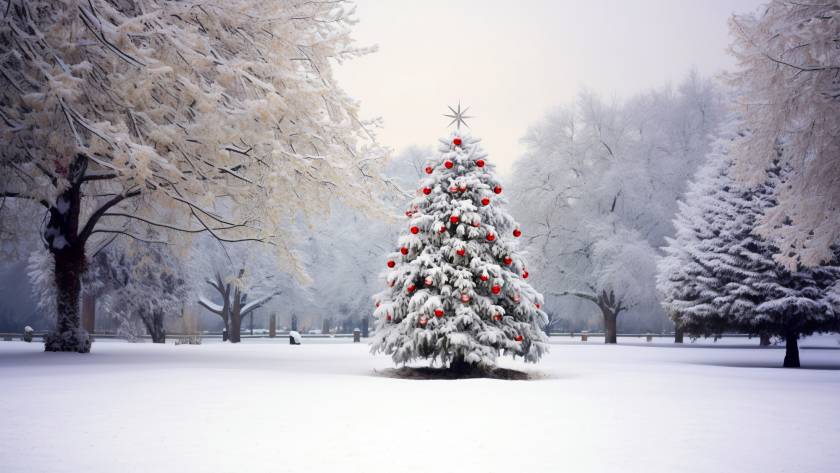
(457, 284)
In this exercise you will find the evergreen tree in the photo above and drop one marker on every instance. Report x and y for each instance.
(457, 289)
(719, 275)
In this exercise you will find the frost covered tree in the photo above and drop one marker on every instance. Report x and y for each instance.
(787, 78)
(219, 117)
(718, 275)
(239, 277)
(596, 189)
(457, 289)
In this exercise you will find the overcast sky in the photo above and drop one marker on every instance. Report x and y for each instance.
(510, 62)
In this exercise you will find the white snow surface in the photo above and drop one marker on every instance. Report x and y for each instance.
(267, 406)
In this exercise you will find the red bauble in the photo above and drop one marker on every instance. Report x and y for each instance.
(479, 163)
(453, 189)
(496, 289)
(442, 228)
(409, 213)
(525, 275)
(454, 219)
(476, 223)
(491, 237)
(461, 251)
(517, 233)
(497, 317)
(438, 312)
(427, 191)
(404, 250)
(391, 263)
(485, 201)
(518, 338)
(497, 189)
(415, 230)
(465, 298)
(537, 306)
(449, 164)
(508, 260)
(388, 318)
(428, 281)
(411, 288)
(456, 141)
(484, 277)
(377, 304)
(429, 169)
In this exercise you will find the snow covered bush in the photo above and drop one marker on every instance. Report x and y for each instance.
(215, 116)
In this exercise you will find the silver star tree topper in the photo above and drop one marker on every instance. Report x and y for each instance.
(458, 117)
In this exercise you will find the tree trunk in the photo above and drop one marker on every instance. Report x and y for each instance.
(610, 326)
(460, 366)
(158, 332)
(68, 335)
(235, 324)
(678, 334)
(764, 340)
(791, 350)
(89, 313)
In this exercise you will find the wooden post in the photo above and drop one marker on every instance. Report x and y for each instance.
(89, 313)
(649, 337)
(584, 336)
(272, 325)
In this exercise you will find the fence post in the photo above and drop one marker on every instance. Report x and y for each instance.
(584, 336)
(272, 325)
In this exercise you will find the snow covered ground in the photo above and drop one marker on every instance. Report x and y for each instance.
(266, 406)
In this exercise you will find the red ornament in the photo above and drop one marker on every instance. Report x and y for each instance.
(427, 191)
(404, 250)
(391, 263)
(377, 304)
(438, 312)
(388, 318)
(409, 213)
(457, 141)
(453, 189)
(411, 288)
(497, 317)
(490, 236)
(476, 223)
(442, 228)
(479, 163)
(497, 189)
(465, 298)
(525, 275)
(508, 260)
(449, 164)
(518, 338)
(517, 233)
(428, 281)
(461, 251)
(429, 169)
(496, 289)
(454, 219)
(484, 277)
(485, 201)
(538, 306)
(415, 230)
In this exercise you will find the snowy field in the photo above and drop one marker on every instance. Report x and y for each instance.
(265, 406)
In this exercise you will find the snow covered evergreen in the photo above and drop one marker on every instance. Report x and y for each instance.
(457, 289)
(718, 275)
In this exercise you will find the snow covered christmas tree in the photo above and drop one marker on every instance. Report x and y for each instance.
(457, 289)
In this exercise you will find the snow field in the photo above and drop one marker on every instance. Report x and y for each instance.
(265, 406)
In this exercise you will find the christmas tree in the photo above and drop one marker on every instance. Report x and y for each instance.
(457, 289)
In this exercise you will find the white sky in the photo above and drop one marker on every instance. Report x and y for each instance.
(511, 62)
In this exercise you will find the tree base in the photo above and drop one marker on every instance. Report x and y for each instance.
(77, 340)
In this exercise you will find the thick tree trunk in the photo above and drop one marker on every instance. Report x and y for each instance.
(460, 366)
(68, 335)
(678, 334)
(610, 326)
(235, 325)
(791, 350)
(155, 327)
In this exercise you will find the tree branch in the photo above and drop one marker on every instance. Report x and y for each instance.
(94, 218)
